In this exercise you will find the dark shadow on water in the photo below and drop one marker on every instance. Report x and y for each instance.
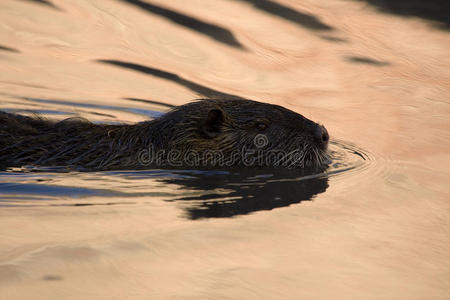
(9, 49)
(303, 19)
(52, 277)
(139, 111)
(24, 84)
(243, 192)
(151, 102)
(96, 204)
(45, 2)
(437, 11)
(50, 112)
(333, 39)
(36, 111)
(195, 87)
(215, 32)
(13, 188)
(199, 193)
(366, 60)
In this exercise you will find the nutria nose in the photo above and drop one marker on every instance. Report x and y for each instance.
(321, 136)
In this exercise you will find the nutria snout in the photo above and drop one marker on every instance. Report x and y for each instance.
(205, 133)
(321, 136)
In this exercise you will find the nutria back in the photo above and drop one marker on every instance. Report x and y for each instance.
(205, 133)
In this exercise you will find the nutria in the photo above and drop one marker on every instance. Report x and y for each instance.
(204, 133)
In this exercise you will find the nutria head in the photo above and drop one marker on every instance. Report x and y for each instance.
(245, 132)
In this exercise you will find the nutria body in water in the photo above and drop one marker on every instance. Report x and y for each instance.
(205, 133)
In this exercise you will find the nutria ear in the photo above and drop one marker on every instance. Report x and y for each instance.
(213, 122)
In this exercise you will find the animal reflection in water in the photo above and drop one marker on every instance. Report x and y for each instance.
(243, 192)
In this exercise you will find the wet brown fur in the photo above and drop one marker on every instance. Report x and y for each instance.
(204, 125)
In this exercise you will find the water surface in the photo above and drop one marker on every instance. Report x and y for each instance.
(375, 224)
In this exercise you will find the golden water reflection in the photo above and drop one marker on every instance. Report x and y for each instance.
(377, 76)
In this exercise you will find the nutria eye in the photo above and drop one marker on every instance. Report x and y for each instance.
(261, 126)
